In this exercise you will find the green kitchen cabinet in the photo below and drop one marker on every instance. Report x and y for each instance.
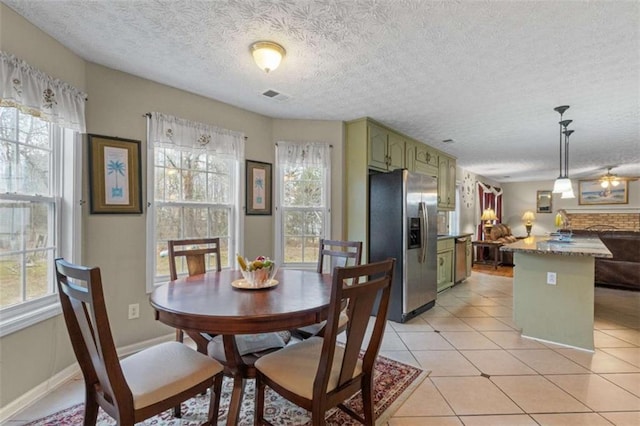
(445, 263)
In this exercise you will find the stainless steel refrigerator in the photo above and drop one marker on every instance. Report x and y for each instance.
(402, 224)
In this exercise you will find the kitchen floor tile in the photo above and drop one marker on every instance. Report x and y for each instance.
(604, 340)
(445, 363)
(497, 363)
(402, 356)
(448, 324)
(547, 361)
(596, 392)
(628, 335)
(599, 362)
(512, 340)
(497, 311)
(468, 340)
(480, 396)
(582, 419)
(627, 381)
(424, 341)
(414, 324)
(630, 355)
(425, 421)
(535, 394)
(466, 311)
(425, 401)
(487, 324)
(631, 418)
(501, 420)
(436, 312)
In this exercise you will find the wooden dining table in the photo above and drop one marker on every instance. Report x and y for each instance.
(208, 303)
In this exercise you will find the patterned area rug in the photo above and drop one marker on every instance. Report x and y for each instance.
(394, 383)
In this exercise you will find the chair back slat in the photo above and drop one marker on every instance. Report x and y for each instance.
(85, 315)
(195, 252)
(340, 253)
(362, 286)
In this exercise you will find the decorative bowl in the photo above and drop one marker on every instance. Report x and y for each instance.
(260, 277)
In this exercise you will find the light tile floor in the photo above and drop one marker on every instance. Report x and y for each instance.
(484, 373)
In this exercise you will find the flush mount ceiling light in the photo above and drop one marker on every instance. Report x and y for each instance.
(267, 54)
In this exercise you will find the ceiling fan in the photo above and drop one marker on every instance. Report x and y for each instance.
(610, 180)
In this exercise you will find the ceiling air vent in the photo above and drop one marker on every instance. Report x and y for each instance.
(275, 95)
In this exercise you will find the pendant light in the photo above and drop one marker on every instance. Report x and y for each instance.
(563, 185)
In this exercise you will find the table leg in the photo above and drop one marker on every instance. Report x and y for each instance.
(235, 367)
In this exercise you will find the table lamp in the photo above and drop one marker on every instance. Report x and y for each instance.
(488, 215)
(528, 218)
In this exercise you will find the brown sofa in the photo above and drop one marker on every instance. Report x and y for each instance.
(501, 233)
(623, 270)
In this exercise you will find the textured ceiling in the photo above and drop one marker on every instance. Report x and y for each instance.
(486, 74)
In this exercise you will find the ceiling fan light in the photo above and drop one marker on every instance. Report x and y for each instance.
(604, 183)
(561, 185)
(267, 55)
(615, 182)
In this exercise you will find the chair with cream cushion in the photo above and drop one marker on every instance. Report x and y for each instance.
(317, 373)
(141, 385)
(338, 253)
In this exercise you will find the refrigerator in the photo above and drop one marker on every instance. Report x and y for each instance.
(402, 225)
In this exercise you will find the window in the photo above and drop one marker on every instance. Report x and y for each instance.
(193, 190)
(39, 214)
(303, 201)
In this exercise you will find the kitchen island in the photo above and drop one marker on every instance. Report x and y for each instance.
(553, 288)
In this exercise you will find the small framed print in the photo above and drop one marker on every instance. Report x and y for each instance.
(115, 178)
(258, 188)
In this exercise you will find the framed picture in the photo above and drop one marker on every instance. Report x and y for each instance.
(543, 202)
(258, 191)
(592, 193)
(114, 175)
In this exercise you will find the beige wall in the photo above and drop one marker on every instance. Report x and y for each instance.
(521, 196)
(116, 243)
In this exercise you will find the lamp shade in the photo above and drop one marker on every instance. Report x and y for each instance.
(489, 214)
(568, 194)
(561, 185)
(528, 216)
(267, 54)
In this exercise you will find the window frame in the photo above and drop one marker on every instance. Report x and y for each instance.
(235, 224)
(281, 210)
(65, 194)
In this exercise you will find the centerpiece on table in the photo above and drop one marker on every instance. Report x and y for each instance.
(257, 273)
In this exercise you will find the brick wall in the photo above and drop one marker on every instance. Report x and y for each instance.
(622, 221)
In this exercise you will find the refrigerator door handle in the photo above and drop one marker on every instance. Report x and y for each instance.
(424, 226)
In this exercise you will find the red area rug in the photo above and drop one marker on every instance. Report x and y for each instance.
(394, 383)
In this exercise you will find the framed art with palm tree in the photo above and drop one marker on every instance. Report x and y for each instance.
(115, 179)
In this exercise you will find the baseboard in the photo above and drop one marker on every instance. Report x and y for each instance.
(64, 376)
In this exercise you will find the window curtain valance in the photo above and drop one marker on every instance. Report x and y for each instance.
(169, 131)
(34, 92)
(304, 153)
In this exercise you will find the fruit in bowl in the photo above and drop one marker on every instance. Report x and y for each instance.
(257, 272)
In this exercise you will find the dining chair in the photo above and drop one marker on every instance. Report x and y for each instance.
(337, 253)
(138, 386)
(194, 252)
(317, 373)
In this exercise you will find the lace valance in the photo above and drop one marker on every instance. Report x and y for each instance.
(169, 131)
(36, 93)
(304, 154)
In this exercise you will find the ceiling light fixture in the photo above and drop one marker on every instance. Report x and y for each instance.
(609, 179)
(267, 54)
(563, 184)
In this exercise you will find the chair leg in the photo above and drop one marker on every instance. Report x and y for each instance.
(367, 400)
(214, 402)
(179, 335)
(90, 408)
(259, 401)
(177, 411)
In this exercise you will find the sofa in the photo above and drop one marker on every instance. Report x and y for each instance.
(501, 233)
(623, 270)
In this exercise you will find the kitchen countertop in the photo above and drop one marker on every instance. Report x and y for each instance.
(446, 236)
(576, 246)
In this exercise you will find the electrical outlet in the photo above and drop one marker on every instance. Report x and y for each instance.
(551, 278)
(134, 311)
